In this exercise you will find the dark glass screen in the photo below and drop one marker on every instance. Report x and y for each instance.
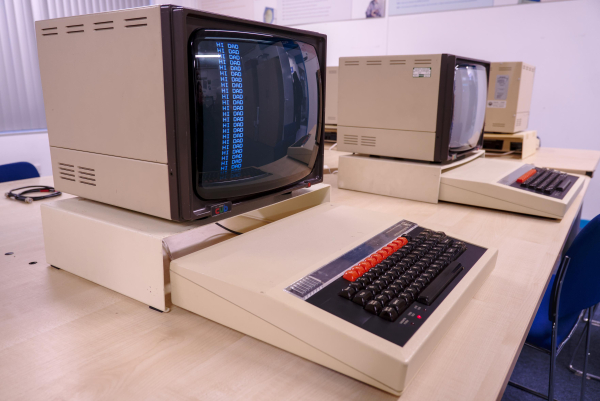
(256, 107)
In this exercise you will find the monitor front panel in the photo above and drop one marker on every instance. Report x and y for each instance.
(470, 96)
(255, 112)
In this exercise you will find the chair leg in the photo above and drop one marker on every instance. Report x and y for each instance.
(587, 353)
(571, 363)
(552, 363)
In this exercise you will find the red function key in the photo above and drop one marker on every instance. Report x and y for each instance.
(403, 240)
(526, 176)
(377, 257)
(366, 265)
(359, 269)
(372, 260)
(389, 249)
(351, 275)
(384, 254)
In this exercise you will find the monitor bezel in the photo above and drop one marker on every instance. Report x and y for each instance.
(178, 25)
(445, 112)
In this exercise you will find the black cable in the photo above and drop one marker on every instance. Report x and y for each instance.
(228, 229)
(34, 188)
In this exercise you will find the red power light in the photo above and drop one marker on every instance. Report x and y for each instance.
(418, 316)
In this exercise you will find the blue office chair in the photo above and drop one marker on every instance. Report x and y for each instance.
(573, 293)
(17, 171)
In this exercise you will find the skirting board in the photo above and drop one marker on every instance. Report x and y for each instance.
(130, 252)
(418, 181)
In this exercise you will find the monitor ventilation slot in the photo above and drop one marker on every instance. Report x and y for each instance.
(505, 69)
(332, 71)
(350, 139)
(134, 22)
(103, 26)
(423, 61)
(77, 28)
(49, 31)
(349, 63)
(86, 175)
(397, 62)
(66, 171)
(367, 140)
(518, 122)
(373, 62)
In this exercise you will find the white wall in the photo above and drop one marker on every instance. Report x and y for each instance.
(561, 39)
(32, 148)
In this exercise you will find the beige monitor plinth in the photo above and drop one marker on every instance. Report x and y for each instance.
(524, 143)
(130, 252)
(394, 177)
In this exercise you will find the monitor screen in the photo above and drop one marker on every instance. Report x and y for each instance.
(470, 96)
(255, 110)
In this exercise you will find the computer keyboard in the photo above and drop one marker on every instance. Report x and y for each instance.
(404, 271)
(545, 181)
(393, 288)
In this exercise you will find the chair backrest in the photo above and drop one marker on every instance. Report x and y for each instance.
(17, 171)
(581, 285)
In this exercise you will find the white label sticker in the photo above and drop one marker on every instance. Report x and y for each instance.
(496, 104)
(501, 90)
(422, 72)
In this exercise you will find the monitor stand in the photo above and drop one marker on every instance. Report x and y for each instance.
(130, 252)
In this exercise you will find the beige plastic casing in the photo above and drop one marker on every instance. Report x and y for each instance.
(528, 140)
(331, 96)
(393, 177)
(103, 84)
(476, 183)
(131, 252)
(383, 110)
(514, 117)
(236, 285)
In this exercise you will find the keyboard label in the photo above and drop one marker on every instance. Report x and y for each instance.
(315, 281)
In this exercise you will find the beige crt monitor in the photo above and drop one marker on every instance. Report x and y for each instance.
(509, 97)
(141, 119)
(406, 106)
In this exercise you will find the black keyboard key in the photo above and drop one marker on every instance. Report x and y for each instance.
(375, 289)
(531, 179)
(537, 181)
(357, 286)
(445, 241)
(381, 282)
(435, 288)
(426, 260)
(549, 180)
(384, 299)
(386, 263)
(389, 314)
(399, 304)
(396, 287)
(370, 275)
(428, 275)
(389, 293)
(374, 307)
(378, 271)
(363, 280)
(362, 297)
(347, 293)
(421, 266)
(412, 290)
(403, 282)
(407, 296)
(422, 280)
(564, 185)
(388, 278)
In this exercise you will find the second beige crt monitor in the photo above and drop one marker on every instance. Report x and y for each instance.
(420, 107)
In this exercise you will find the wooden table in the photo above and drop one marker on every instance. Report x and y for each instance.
(62, 337)
(576, 161)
